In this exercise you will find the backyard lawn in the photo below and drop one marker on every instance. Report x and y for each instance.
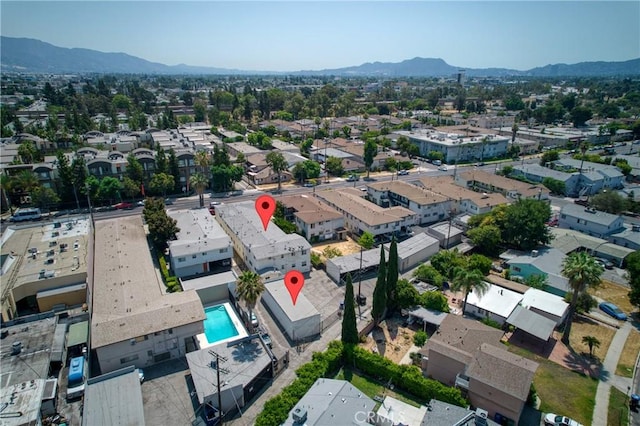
(372, 388)
(618, 414)
(585, 327)
(562, 390)
(629, 354)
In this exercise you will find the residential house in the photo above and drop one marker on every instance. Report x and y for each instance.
(331, 401)
(546, 304)
(393, 412)
(495, 304)
(135, 322)
(590, 221)
(456, 147)
(630, 237)
(314, 219)
(463, 200)
(469, 355)
(362, 215)
(262, 250)
(429, 206)
(201, 246)
(481, 181)
(537, 173)
(546, 262)
(568, 241)
(595, 177)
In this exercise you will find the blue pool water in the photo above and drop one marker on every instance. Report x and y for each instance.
(218, 325)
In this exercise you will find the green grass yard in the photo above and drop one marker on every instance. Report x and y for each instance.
(372, 388)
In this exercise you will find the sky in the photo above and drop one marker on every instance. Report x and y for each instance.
(315, 35)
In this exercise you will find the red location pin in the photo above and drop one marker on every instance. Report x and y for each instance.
(265, 206)
(294, 281)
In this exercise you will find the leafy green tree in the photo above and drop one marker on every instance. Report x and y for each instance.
(334, 166)
(28, 153)
(524, 224)
(486, 238)
(259, 139)
(44, 197)
(434, 300)
(109, 189)
(249, 288)
(6, 186)
(162, 164)
(331, 252)
(407, 295)
(161, 184)
(580, 115)
(162, 228)
(134, 169)
(549, 157)
(557, 187)
(174, 169)
(65, 181)
(366, 240)
(199, 182)
(223, 177)
(428, 274)
(609, 201)
(632, 265)
(591, 342)
(306, 170)
(447, 261)
(278, 164)
(349, 327)
(370, 151)
(130, 188)
(466, 280)
(392, 275)
(380, 290)
(480, 263)
(538, 281)
(582, 271)
(420, 338)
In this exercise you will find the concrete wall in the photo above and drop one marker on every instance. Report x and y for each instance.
(494, 400)
(142, 352)
(442, 368)
(72, 298)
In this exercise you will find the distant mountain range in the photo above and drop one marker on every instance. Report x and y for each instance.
(35, 56)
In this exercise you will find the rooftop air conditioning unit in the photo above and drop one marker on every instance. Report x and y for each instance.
(534, 253)
(299, 415)
(481, 417)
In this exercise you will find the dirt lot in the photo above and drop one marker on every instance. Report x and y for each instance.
(629, 355)
(390, 340)
(347, 246)
(614, 293)
(584, 327)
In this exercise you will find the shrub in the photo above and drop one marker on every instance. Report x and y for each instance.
(163, 267)
(420, 338)
(491, 323)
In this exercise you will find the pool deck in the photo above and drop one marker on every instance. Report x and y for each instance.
(202, 338)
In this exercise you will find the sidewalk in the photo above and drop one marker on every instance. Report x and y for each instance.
(608, 377)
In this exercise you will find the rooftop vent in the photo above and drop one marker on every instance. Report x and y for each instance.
(299, 415)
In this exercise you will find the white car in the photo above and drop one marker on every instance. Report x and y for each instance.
(554, 420)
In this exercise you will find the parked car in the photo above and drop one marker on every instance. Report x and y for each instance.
(606, 263)
(437, 163)
(443, 168)
(141, 374)
(266, 339)
(353, 178)
(168, 201)
(554, 420)
(403, 172)
(612, 310)
(123, 205)
(254, 319)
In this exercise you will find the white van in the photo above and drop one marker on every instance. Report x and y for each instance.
(22, 215)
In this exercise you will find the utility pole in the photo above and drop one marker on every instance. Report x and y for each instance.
(218, 370)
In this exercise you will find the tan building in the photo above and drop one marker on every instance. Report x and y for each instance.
(481, 181)
(44, 267)
(464, 200)
(316, 220)
(469, 355)
(134, 322)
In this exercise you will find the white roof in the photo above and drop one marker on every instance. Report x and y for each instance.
(497, 300)
(546, 302)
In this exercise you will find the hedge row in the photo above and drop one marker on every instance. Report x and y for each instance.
(276, 410)
(172, 283)
(408, 378)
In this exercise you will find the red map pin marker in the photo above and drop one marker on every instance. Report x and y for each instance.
(265, 206)
(294, 281)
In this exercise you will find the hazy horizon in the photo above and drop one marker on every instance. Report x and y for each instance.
(283, 36)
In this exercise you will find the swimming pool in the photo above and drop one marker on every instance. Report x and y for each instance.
(221, 325)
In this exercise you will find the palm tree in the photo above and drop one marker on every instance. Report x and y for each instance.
(249, 287)
(25, 182)
(202, 160)
(199, 182)
(278, 164)
(467, 281)
(6, 186)
(582, 271)
(592, 342)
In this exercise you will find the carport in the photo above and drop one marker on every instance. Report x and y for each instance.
(532, 323)
(427, 316)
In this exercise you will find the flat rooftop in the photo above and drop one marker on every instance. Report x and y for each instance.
(33, 361)
(444, 185)
(60, 248)
(449, 139)
(25, 399)
(114, 399)
(206, 281)
(301, 310)
(199, 233)
(128, 292)
(243, 361)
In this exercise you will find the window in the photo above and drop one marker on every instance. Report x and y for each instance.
(181, 259)
(128, 359)
(224, 250)
(142, 338)
(194, 256)
(304, 252)
(293, 265)
(149, 353)
(304, 263)
(204, 254)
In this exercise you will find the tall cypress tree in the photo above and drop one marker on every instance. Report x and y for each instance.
(392, 275)
(349, 328)
(380, 291)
